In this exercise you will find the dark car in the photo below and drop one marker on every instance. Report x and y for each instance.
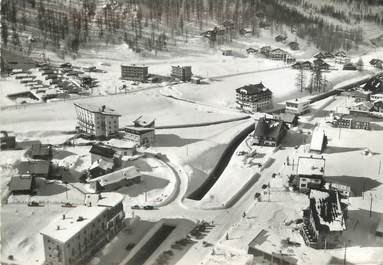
(135, 207)
(148, 207)
(33, 204)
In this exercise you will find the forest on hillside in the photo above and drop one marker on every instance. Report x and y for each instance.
(66, 25)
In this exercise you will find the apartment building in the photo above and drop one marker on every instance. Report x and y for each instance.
(134, 72)
(253, 98)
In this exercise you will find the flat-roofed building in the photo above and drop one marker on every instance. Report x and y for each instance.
(97, 121)
(72, 238)
(183, 73)
(318, 140)
(253, 98)
(298, 106)
(310, 172)
(134, 72)
(140, 135)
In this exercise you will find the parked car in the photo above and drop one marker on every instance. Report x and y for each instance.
(148, 207)
(135, 207)
(34, 204)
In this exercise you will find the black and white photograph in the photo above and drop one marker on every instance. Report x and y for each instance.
(191, 132)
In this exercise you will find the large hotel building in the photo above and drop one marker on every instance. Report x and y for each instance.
(97, 120)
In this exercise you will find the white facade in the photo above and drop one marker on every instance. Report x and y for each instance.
(97, 121)
(298, 106)
(375, 97)
(139, 135)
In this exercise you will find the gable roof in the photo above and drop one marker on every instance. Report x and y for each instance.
(38, 149)
(21, 183)
(102, 151)
(144, 121)
(253, 89)
(116, 176)
(317, 140)
(33, 167)
(269, 127)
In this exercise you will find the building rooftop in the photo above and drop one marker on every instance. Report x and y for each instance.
(104, 199)
(298, 100)
(33, 167)
(97, 109)
(326, 210)
(138, 130)
(38, 149)
(65, 227)
(105, 165)
(287, 117)
(311, 166)
(317, 140)
(134, 65)
(117, 176)
(21, 183)
(123, 144)
(268, 127)
(253, 89)
(144, 121)
(102, 151)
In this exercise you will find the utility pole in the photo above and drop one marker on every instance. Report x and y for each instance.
(345, 251)
(380, 165)
(371, 205)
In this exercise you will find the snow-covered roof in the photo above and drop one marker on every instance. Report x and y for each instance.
(317, 140)
(117, 176)
(328, 209)
(63, 229)
(97, 109)
(311, 166)
(298, 100)
(105, 165)
(123, 144)
(105, 199)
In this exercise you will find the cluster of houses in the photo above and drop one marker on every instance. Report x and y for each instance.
(377, 63)
(140, 73)
(38, 165)
(368, 105)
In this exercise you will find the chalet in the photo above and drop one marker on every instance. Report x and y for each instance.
(293, 45)
(134, 72)
(377, 63)
(39, 151)
(251, 50)
(227, 52)
(378, 106)
(361, 95)
(351, 122)
(377, 96)
(318, 141)
(319, 56)
(7, 140)
(307, 65)
(100, 152)
(144, 122)
(265, 50)
(34, 168)
(290, 119)
(328, 55)
(280, 38)
(115, 180)
(320, 64)
(183, 73)
(281, 55)
(269, 132)
(364, 106)
(323, 220)
(140, 135)
(298, 106)
(254, 97)
(341, 58)
(100, 167)
(375, 85)
(350, 66)
(22, 184)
